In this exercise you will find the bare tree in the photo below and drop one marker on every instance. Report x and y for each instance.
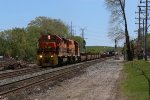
(116, 33)
(118, 16)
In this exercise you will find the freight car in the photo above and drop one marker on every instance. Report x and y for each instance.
(54, 50)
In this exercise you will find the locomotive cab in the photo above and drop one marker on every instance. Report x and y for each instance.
(47, 51)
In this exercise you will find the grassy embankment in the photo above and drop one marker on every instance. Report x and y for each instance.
(136, 85)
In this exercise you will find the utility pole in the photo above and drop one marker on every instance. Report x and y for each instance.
(139, 31)
(143, 28)
(82, 32)
(146, 26)
(146, 30)
(71, 29)
(84, 42)
(139, 37)
(139, 41)
(144, 35)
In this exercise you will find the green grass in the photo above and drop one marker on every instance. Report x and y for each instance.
(136, 85)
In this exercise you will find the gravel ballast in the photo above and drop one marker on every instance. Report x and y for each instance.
(98, 82)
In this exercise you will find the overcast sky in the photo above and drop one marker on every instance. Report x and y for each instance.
(89, 14)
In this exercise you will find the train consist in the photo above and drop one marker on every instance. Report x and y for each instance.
(54, 50)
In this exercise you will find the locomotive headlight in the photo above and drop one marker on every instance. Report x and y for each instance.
(41, 56)
(52, 56)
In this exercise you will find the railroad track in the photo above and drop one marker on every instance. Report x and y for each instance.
(20, 72)
(50, 75)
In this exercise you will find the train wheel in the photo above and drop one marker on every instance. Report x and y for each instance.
(60, 61)
(79, 59)
(74, 59)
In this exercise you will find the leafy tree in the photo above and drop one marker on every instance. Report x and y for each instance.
(15, 43)
(47, 25)
(3, 43)
(81, 42)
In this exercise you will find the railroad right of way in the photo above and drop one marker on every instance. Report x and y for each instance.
(11, 85)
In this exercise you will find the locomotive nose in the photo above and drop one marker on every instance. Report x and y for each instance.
(47, 60)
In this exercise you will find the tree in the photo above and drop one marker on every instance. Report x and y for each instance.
(47, 25)
(4, 43)
(13, 42)
(18, 43)
(22, 42)
(116, 33)
(118, 15)
(80, 41)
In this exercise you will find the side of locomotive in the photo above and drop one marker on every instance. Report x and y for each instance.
(53, 50)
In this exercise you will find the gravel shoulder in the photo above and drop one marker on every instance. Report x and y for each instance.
(98, 82)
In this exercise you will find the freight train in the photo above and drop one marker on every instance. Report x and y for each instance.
(54, 50)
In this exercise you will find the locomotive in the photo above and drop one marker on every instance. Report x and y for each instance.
(54, 50)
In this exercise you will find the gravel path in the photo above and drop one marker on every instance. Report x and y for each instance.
(99, 82)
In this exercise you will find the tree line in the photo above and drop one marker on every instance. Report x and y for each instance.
(21, 43)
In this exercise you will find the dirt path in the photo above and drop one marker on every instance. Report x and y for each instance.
(99, 82)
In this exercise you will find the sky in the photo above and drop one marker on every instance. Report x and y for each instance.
(91, 15)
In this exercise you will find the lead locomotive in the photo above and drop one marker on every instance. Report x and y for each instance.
(54, 50)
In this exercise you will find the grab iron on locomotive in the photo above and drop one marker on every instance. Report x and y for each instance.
(54, 50)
